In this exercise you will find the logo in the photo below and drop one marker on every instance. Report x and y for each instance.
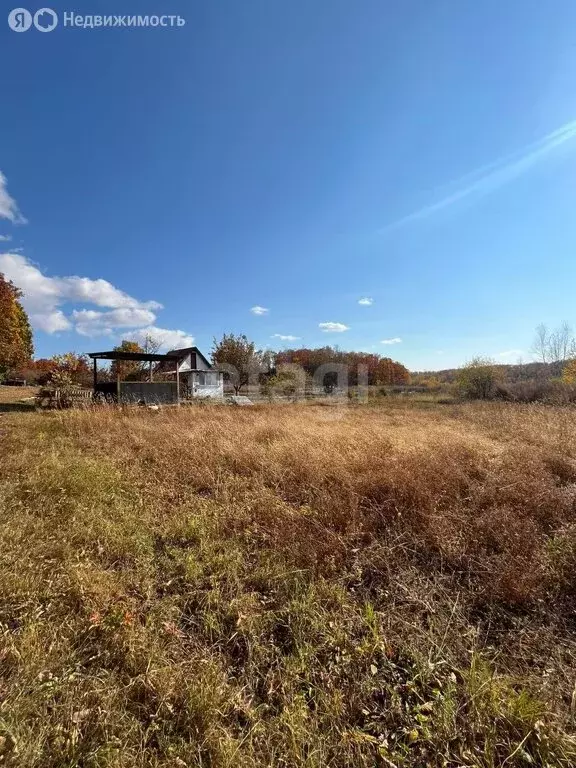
(20, 20)
(45, 20)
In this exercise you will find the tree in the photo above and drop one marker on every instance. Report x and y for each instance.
(540, 343)
(554, 346)
(238, 357)
(150, 344)
(43, 369)
(127, 369)
(477, 379)
(75, 366)
(562, 343)
(379, 370)
(282, 384)
(16, 347)
(569, 372)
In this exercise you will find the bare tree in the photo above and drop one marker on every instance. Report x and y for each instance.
(151, 344)
(554, 346)
(540, 343)
(561, 342)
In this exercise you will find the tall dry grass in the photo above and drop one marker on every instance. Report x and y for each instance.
(288, 586)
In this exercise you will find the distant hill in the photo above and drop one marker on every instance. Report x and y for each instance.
(511, 373)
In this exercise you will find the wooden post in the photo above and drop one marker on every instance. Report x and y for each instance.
(118, 385)
(95, 374)
(151, 373)
(178, 382)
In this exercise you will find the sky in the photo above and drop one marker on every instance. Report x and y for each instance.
(394, 177)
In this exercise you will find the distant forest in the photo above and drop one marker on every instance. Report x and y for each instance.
(511, 373)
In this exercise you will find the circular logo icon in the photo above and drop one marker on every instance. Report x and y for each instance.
(45, 20)
(20, 20)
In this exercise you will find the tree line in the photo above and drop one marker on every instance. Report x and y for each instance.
(326, 367)
(374, 368)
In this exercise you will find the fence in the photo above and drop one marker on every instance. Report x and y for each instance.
(59, 398)
(139, 391)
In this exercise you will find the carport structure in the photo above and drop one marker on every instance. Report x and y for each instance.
(132, 391)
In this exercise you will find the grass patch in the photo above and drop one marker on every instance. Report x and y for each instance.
(288, 586)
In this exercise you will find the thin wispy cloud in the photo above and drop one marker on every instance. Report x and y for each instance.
(395, 340)
(333, 327)
(366, 301)
(5, 238)
(492, 176)
(257, 310)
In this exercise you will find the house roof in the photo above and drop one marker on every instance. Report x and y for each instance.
(188, 350)
(173, 355)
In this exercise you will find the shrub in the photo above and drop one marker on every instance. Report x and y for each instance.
(537, 391)
(477, 379)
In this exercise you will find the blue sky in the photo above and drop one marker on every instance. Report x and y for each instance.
(295, 156)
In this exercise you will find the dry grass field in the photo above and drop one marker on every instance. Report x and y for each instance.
(288, 586)
(15, 394)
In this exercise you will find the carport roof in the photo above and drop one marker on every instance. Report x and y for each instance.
(137, 356)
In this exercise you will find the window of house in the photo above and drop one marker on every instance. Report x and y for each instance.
(207, 378)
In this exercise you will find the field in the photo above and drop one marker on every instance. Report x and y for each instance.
(10, 395)
(288, 585)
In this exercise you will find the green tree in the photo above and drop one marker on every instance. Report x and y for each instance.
(16, 346)
(239, 359)
(282, 384)
(477, 379)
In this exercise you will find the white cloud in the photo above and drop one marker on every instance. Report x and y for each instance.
(43, 298)
(8, 206)
(50, 322)
(259, 310)
(333, 327)
(168, 339)
(395, 340)
(284, 337)
(89, 322)
(366, 301)
(5, 238)
(100, 292)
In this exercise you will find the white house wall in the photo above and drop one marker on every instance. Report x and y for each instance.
(186, 364)
(201, 365)
(205, 390)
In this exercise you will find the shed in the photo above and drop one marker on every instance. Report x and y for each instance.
(193, 376)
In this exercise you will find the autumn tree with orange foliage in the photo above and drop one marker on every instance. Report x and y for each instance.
(127, 369)
(569, 372)
(379, 370)
(16, 346)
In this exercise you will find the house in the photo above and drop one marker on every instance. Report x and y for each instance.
(198, 377)
(185, 373)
